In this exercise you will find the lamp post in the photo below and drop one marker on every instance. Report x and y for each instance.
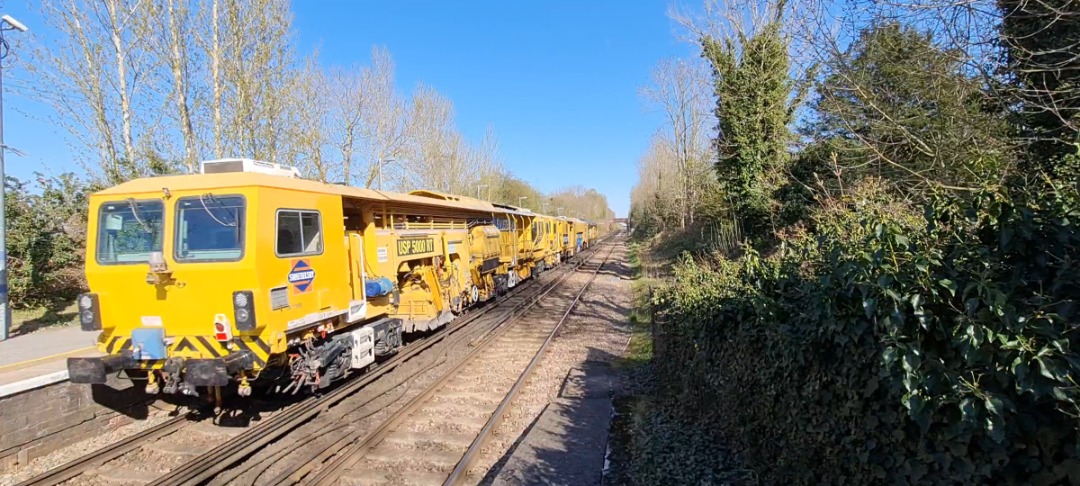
(521, 200)
(478, 187)
(6, 23)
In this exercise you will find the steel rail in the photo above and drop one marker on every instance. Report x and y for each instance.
(329, 473)
(293, 416)
(223, 457)
(355, 450)
(112, 451)
(457, 476)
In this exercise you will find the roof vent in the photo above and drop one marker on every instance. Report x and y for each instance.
(220, 166)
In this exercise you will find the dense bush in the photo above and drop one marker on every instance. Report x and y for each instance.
(891, 345)
(46, 237)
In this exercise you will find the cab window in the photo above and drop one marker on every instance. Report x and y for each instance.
(209, 228)
(128, 231)
(299, 233)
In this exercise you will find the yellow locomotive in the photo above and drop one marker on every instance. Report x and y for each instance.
(246, 273)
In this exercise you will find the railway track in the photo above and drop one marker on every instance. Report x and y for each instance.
(217, 463)
(435, 438)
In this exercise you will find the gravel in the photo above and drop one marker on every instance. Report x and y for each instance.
(597, 330)
(81, 448)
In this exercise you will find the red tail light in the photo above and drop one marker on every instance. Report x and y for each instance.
(221, 333)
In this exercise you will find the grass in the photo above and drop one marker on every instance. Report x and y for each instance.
(24, 321)
(639, 350)
(651, 445)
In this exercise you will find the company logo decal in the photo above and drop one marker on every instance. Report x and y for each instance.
(301, 276)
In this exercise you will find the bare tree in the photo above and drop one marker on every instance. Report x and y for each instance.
(680, 89)
(347, 101)
(176, 31)
(309, 122)
(99, 77)
(384, 119)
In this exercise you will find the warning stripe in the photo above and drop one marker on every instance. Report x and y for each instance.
(204, 346)
(117, 344)
(214, 349)
(261, 350)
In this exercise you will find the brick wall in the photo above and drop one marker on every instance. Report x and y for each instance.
(36, 422)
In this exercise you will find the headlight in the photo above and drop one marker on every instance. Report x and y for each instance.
(89, 312)
(244, 310)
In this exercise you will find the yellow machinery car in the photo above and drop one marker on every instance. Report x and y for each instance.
(247, 274)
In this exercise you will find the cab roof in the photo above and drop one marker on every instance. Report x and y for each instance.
(228, 180)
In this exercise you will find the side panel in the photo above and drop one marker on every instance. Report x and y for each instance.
(297, 291)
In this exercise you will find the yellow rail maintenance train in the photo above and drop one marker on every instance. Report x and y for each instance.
(246, 274)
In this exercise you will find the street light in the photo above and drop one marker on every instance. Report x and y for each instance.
(521, 199)
(478, 187)
(6, 23)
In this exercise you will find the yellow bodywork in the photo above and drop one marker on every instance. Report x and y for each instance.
(439, 253)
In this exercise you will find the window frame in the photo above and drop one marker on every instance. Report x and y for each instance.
(176, 233)
(97, 238)
(277, 229)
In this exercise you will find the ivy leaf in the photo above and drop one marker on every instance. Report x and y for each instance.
(902, 241)
(889, 356)
(994, 405)
(1050, 368)
(949, 285)
(968, 411)
(997, 431)
(911, 362)
(868, 306)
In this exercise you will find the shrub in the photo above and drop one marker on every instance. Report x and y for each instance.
(886, 347)
(46, 236)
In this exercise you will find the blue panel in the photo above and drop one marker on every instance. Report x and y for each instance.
(150, 341)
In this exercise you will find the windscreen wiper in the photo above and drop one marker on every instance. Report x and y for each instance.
(138, 216)
(221, 206)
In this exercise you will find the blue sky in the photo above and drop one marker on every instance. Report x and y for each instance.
(556, 80)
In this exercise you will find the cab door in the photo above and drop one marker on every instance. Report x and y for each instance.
(358, 302)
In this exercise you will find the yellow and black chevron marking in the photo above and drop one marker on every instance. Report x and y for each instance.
(258, 347)
(115, 344)
(207, 347)
(198, 346)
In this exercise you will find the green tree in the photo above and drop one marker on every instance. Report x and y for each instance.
(911, 114)
(754, 107)
(46, 239)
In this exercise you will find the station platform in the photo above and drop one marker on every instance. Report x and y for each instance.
(39, 358)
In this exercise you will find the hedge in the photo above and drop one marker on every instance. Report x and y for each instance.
(890, 347)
